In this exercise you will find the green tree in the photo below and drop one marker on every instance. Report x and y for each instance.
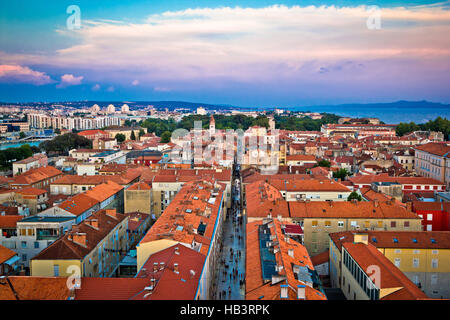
(120, 137)
(22, 135)
(141, 132)
(341, 174)
(132, 136)
(165, 137)
(354, 195)
(324, 163)
(57, 131)
(61, 144)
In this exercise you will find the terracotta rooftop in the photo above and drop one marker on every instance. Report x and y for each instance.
(31, 191)
(398, 239)
(300, 157)
(169, 284)
(6, 254)
(348, 209)
(9, 222)
(36, 175)
(110, 288)
(436, 148)
(290, 253)
(197, 202)
(318, 185)
(368, 179)
(140, 186)
(390, 276)
(263, 199)
(35, 288)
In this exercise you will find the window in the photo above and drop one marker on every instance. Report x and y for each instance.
(429, 217)
(36, 245)
(415, 262)
(416, 251)
(24, 244)
(434, 263)
(366, 224)
(327, 223)
(24, 257)
(398, 251)
(397, 262)
(435, 252)
(406, 224)
(380, 224)
(314, 223)
(434, 279)
(393, 224)
(340, 224)
(56, 270)
(353, 223)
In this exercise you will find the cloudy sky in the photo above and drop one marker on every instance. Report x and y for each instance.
(247, 53)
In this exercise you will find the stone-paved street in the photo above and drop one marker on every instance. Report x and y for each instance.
(231, 274)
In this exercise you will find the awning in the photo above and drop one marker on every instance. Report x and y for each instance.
(11, 261)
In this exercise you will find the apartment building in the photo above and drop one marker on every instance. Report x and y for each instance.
(435, 215)
(359, 262)
(73, 184)
(93, 247)
(431, 160)
(39, 178)
(35, 233)
(409, 184)
(42, 121)
(318, 219)
(422, 256)
(36, 161)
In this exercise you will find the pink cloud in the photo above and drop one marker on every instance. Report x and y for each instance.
(69, 80)
(21, 74)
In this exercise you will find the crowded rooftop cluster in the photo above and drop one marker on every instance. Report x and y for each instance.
(127, 215)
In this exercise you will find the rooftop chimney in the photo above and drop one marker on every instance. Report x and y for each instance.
(93, 223)
(80, 238)
(111, 212)
(375, 203)
(284, 291)
(301, 294)
(291, 252)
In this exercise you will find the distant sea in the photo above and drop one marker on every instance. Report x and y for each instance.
(4, 146)
(389, 114)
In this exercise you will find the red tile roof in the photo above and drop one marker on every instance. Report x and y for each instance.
(436, 148)
(347, 209)
(405, 239)
(6, 254)
(110, 288)
(9, 222)
(256, 288)
(35, 288)
(170, 285)
(390, 276)
(194, 197)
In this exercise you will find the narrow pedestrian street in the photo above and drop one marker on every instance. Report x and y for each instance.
(230, 280)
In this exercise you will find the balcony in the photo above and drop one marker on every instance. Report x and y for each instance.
(47, 234)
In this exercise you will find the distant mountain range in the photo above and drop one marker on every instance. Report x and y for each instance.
(401, 104)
